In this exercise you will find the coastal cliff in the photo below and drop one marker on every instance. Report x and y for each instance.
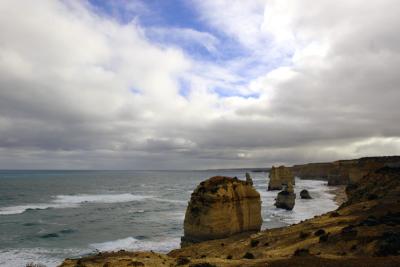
(363, 231)
(343, 172)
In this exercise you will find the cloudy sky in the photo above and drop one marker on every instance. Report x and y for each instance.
(182, 84)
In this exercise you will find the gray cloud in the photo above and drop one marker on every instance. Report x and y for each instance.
(78, 90)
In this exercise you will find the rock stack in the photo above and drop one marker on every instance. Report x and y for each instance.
(248, 179)
(304, 194)
(278, 177)
(286, 198)
(220, 207)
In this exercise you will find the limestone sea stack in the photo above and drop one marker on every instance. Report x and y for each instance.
(280, 176)
(220, 207)
(304, 194)
(286, 198)
(248, 179)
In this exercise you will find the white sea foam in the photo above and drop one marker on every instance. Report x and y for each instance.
(323, 201)
(102, 198)
(170, 200)
(38, 206)
(131, 243)
(73, 201)
(48, 257)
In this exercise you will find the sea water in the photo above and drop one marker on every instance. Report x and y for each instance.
(46, 216)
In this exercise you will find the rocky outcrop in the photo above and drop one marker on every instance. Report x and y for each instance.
(304, 194)
(286, 198)
(248, 179)
(280, 176)
(220, 207)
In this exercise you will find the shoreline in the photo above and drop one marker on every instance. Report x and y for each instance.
(339, 193)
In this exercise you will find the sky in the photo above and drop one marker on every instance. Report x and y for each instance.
(197, 84)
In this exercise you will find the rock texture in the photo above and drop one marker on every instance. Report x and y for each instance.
(280, 176)
(286, 198)
(248, 179)
(220, 207)
(304, 194)
(313, 171)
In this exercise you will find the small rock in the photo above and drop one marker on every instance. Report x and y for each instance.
(304, 194)
(301, 252)
(303, 235)
(324, 238)
(334, 214)
(319, 232)
(349, 232)
(182, 261)
(254, 243)
(248, 255)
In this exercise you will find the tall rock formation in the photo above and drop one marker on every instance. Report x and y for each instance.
(286, 198)
(248, 179)
(280, 176)
(220, 207)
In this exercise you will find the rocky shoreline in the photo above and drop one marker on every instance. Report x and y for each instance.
(339, 192)
(363, 231)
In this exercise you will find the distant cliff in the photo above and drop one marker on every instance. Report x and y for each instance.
(343, 172)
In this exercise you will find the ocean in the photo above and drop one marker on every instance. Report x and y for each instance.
(46, 216)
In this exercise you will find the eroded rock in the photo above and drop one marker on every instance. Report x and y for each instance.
(304, 194)
(286, 198)
(280, 176)
(248, 179)
(220, 207)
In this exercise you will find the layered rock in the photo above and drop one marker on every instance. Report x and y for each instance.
(280, 176)
(286, 198)
(220, 207)
(304, 194)
(343, 172)
(313, 171)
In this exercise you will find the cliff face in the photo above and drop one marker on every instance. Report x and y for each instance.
(313, 171)
(220, 207)
(343, 172)
(280, 176)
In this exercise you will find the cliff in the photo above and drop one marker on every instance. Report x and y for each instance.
(343, 172)
(220, 207)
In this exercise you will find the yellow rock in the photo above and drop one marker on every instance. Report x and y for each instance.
(220, 207)
(280, 176)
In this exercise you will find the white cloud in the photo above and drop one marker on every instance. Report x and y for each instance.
(80, 90)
